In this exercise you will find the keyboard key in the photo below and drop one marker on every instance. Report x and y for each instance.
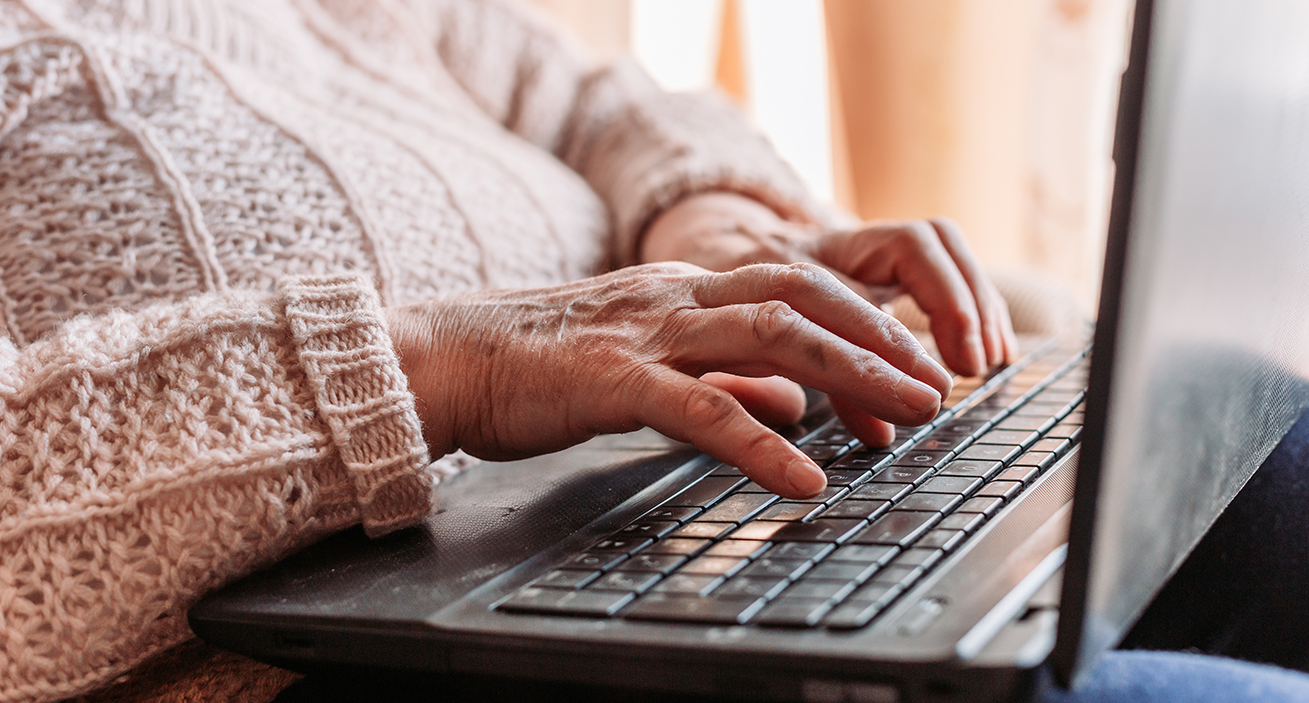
(876, 490)
(833, 530)
(1025, 423)
(904, 474)
(969, 467)
(922, 458)
(861, 459)
(752, 487)
(702, 530)
(1022, 474)
(1022, 438)
(1000, 489)
(633, 581)
(962, 427)
(793, 612)
(967, 522)
(764, 529)
(831, 590)
(1055, 446)
(875, 592)
(843, 571)
(937, 443)
(602, 561)
(647, 528)
(865, 554)
(558, 601)
(857, 612)
(671, 513)
(737, 507)
(958, 485)
(777, 568)
(846, 477)
(714, 566)
(821, 453)
(656, 563)
(627, 545)
(898, 527)
(812, 551)
(1064, 430)
(705, 492)
(1041, 460)
(751, 587)
(991, 452)
(924, 557)
(740, 548)
(565, 578)
(787, 510)
(898, 574)
(688, 585)
(726, 470)
(678, 608)
(678, 545)
(858, 509)
(836, 434)
(942, 539)
(987, 505)
(830, 494)
(940, 502)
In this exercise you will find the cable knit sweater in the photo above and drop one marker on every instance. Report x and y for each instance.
(204, 205)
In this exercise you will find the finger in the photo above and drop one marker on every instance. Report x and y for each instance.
(772, 338)
(690, 410)
(912, 254)
(773, 400)
(997, 330)
(818, 296)
(866, 428)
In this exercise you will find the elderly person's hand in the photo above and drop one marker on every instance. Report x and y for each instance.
(928, 259)
(511, 373)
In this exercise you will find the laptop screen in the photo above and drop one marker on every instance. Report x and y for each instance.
(1202, 347)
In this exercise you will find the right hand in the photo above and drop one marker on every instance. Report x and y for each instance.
(505, 374)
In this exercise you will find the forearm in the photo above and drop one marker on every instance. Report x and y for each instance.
(150, 457)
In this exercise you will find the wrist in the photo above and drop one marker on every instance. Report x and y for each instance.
(721, 231)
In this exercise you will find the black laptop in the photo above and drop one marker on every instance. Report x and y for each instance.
(1009, 541)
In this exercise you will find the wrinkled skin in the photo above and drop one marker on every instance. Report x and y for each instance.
(703, 356)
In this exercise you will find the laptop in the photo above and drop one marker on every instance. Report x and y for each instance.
(1003, 546)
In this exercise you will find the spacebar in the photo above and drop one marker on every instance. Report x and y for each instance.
(660, 606)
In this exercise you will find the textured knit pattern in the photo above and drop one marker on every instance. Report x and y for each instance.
(203, 206)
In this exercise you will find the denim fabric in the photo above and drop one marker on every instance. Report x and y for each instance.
(1177, 677)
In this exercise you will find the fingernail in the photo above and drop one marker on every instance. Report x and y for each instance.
(919, 396)
(805, 478)
(941, 380)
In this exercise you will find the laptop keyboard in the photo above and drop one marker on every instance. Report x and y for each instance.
(726, 551)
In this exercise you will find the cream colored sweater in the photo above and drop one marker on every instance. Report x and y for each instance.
(203, 205)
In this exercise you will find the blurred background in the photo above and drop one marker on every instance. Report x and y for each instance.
(997, 113)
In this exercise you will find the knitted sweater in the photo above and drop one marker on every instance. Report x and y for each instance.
(204, 204)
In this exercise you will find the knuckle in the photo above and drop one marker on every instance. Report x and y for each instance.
(967, 321)
(790, 279)
(916, 235)
(774, 321)
(706, 406)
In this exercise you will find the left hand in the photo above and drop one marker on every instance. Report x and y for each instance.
(928, 259)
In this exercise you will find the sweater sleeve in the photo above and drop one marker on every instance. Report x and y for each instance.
(148, 457)
(640, 148)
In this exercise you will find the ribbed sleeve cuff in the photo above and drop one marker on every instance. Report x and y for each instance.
(362, 395)
(643, 150)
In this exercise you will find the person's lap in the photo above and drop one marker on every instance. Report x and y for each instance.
(1239, 596)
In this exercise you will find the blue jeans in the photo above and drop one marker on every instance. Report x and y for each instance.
(1241, 594)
